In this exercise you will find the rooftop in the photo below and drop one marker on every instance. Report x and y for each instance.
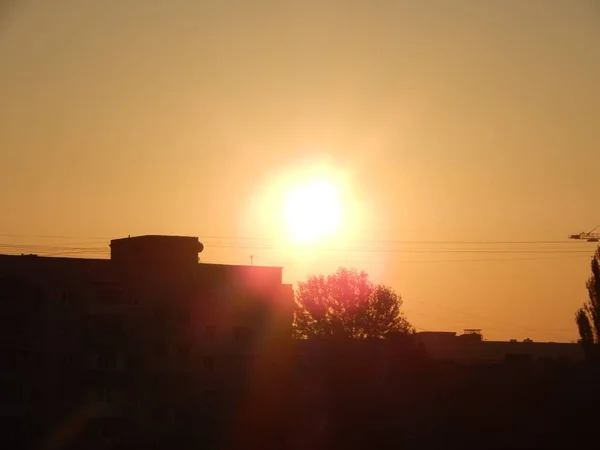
(168, 248)
(153, 241)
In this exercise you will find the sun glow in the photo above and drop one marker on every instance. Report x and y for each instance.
(307, 206)
(313, 210)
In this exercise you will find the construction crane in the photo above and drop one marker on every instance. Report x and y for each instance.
(590, 236)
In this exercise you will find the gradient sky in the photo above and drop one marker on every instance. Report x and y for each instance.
(452, 121)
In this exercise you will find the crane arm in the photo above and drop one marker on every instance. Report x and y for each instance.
(590, 236)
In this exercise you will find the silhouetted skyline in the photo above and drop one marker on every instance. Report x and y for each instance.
(154, 349)
(450, 122)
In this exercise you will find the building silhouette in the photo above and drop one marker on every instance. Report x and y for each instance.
(98, 351)
(154, 349)
(471, 348)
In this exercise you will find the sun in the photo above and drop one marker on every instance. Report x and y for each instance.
(313, 210)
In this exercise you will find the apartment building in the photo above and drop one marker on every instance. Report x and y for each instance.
(470, 347)
(101, 351)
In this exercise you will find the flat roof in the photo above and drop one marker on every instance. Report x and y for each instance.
(49, 258)
(155, 237)
(436, 332)
(238, 265)
(73, 259)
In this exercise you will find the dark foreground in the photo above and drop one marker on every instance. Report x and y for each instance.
(342, 403)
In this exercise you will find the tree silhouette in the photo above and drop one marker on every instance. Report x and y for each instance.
(588, 317)
(583, 325)
(346, 304)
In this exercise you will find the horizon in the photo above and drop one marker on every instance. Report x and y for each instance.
(72, 254)
(447, 149)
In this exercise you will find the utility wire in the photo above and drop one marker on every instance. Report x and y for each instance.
(93, 247)
(79, 249)
(360, 241)
(488, 251)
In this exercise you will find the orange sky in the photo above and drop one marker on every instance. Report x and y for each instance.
(450, 121)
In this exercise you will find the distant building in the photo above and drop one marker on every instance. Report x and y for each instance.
(470, 347)
(138, 341)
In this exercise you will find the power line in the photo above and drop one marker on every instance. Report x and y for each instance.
(38, 236)
(497, 249)
(389, 241)
(66, 250)
(409, 242)
(80, 247)
(361, 241)
(490, 259)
